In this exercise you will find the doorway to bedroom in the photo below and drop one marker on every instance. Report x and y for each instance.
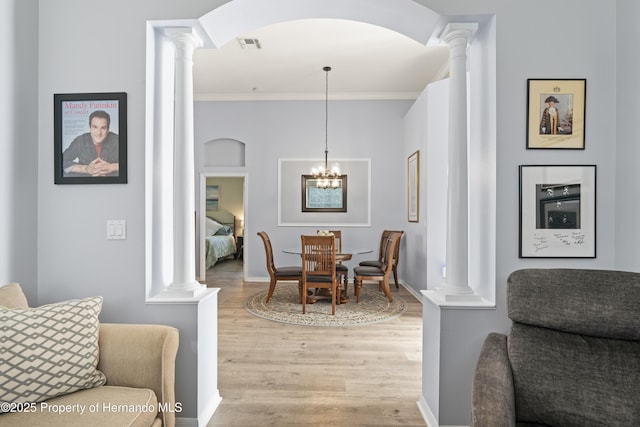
(222, 226)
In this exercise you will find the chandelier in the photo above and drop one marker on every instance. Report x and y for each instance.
(325, 177)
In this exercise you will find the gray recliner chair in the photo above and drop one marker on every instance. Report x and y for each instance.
(572, 357)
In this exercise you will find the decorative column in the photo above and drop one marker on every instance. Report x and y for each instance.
(457, 36)
(184, 259)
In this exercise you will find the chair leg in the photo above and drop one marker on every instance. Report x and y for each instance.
(272, 287)
(395, 276)
(343, 291)
(304, 297)
(386, 290)
(334, 297)
(300, 293)
(357, 284)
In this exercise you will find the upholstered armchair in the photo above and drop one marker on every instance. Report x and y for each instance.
(572, 357)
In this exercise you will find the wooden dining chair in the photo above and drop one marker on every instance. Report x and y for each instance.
(276, 274)
(319, 267)
(380, 274)
(396, 256)
(342, 270)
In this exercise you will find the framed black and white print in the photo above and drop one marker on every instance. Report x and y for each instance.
(90, 138)
(557, 211)
(556, 113)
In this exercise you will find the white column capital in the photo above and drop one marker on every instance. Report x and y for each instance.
(455, 32)
(183, 37)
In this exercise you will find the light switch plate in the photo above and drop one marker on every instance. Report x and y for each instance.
(116, 229)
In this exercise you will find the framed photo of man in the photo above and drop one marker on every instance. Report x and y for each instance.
(556, 113)
(90, 138)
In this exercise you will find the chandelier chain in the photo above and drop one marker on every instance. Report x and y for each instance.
(327, 178)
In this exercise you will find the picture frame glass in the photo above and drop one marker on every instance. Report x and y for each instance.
(318, 199)
(90, 138)
(213, 197)
(556, 113)
(557, 211)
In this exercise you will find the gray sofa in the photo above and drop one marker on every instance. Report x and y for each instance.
(572, 357)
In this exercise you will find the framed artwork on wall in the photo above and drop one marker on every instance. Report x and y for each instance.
(213, 197)
(90, 138)
(556, 113)
(413, 186)
(319, 199)
(557, 211)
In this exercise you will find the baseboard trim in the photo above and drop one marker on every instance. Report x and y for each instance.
(416, 294)
(204, 419)
(427, 415)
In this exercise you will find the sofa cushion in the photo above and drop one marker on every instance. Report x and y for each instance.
(11, 296)
(49, 350)
(107, 406)
(563, 379)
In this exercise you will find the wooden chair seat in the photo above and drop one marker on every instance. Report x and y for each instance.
(368, 270)
(288, 271)
(371, 263)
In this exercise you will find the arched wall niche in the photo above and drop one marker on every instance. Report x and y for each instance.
(224, 152)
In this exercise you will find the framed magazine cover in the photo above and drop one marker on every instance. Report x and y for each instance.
(557, 211)
(556, 113)
(90, 138)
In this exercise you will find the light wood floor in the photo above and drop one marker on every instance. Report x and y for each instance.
(274, 374)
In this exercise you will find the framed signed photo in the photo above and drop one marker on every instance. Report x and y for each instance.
(558, 211)
(90, 138)
(556, 113)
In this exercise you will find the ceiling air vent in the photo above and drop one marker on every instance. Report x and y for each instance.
(249, 43)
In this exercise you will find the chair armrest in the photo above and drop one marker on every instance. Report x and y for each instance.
(493, 399)
(141, 356)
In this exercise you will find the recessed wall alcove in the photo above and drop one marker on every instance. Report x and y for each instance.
(224, 152)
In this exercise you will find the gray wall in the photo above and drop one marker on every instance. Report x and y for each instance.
(627, 149)
(589, 38)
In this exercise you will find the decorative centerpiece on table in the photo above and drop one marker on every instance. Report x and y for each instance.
(324, 233)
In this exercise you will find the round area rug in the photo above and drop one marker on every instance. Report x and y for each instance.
(285, 307)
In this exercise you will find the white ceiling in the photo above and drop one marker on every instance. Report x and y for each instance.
(368, 62)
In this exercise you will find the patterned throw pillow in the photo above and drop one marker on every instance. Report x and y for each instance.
(49, 350)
